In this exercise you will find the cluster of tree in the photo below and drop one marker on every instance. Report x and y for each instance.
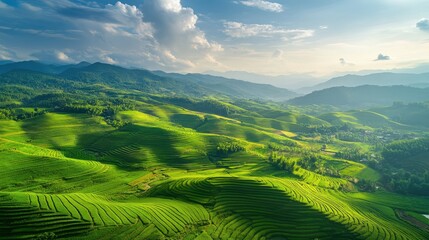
(327, 171)
(225, 148)
(316, 163)
(309, 161)
(80, 103)
(405, 182)
(328, 130)
(13, 114)
(398, 152)
(281, 162)
(352, 153)
(404, 166)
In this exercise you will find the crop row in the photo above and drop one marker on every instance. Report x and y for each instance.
(23, 221)
(359, 216)
(170, 217)
(247, 209)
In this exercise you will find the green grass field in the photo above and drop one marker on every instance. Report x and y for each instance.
(72, 176)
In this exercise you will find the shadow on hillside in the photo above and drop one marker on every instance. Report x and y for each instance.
(136, 147)
(132, 147)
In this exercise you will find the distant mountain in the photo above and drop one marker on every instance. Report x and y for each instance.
(32, 74)
(363, 96)
(379, 79)
(234, 87)
(294, 81)
(39, 67)
(196, 85)
(134, 79)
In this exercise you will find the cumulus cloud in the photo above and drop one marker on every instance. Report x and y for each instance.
(53, 57)
(161, 34)
(263, 5)
(423, 24)
(242, 30)
(382, 57)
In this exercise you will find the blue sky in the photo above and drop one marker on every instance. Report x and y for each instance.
(274, 37)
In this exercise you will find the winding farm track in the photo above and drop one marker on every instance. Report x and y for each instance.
(411, 220)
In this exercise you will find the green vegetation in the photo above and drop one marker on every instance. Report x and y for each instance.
(102, 152)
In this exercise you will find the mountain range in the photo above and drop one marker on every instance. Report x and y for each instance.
(363, 96)
(106, 75)
(345, 92)
(378, 79)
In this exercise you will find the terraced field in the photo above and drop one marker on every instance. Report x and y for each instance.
(72, 176)
(248, 209)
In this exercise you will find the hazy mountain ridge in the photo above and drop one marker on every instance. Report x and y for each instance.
(379, 79)
(38, 67)
(238, 87)
(148, 81)
(292, 81)
(363, 96)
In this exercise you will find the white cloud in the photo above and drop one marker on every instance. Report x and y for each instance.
(177, 33)
(170, 5)
(129, 21)
(63, 57)
(30, 7)
(263, 5)
(161, 34)
(241, 30)
(108, 60)
(50, 56)
(423, 24)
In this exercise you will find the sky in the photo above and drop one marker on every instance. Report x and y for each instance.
(272, 37)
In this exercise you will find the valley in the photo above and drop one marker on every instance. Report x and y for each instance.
(122, 162)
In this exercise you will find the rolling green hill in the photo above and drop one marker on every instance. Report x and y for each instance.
(361, 119)
(103, 152)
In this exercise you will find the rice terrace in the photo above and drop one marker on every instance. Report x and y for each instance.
(93, 146)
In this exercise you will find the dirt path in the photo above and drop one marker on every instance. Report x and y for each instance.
(411, 220)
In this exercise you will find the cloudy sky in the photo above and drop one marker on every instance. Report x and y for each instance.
(316, 37)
